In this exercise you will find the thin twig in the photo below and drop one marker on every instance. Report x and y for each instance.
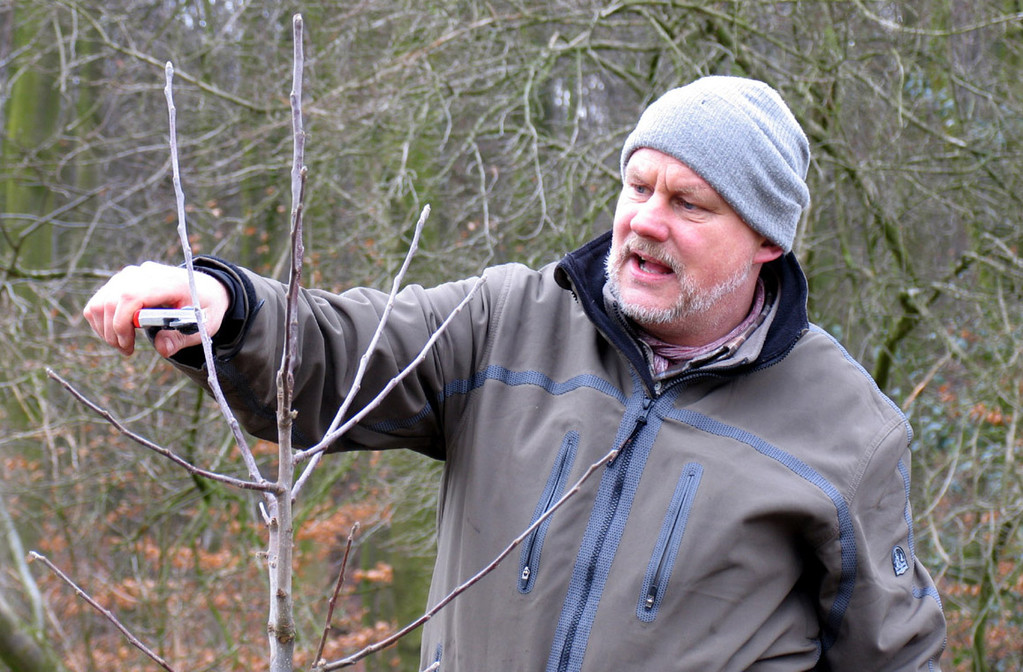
(286, 379)
(186, 248)
(399, 279)
(419, 622)
(333, 598)
(360, 373)
(105, 612)
(928, 377)
(262, 486)
(331, 437)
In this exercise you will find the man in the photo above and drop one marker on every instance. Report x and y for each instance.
(756, 516)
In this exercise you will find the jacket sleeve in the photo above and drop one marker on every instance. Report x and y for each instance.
(335, 330)
(892, 618)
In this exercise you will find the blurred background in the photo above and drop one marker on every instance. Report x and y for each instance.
(507, 117)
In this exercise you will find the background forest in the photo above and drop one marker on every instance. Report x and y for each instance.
(506, 116)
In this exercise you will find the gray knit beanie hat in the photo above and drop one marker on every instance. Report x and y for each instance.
(739, 136)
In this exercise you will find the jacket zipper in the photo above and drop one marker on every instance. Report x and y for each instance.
(640, 423)
(625, 453)
(686, 490)
(555, 485)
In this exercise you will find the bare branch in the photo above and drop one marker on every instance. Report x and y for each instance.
(928, 377)
(409, 59)
(262, 486)
(895, 26)
(286, 377)
(331, 437)
(186, 248)
(399, 279)
(333, 598)
(908, 115)
(419, 622)
(105, 612)
(152, 60)
(281, 625)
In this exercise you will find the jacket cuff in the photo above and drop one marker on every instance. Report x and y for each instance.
(243, 306)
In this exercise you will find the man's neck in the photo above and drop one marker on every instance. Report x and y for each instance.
(669, 355)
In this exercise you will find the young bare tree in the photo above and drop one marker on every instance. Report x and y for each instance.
(507, 118)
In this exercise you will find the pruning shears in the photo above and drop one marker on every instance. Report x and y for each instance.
(178, 319)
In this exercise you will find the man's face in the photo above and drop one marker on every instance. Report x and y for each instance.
(682, 263)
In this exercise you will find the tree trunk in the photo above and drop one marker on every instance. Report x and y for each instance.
(31, 117)
(18, 649)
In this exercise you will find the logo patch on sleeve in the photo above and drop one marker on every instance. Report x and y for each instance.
(900, 563)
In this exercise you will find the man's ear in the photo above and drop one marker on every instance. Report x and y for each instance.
(768, 252)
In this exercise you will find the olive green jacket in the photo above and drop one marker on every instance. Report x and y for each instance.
(755, 516)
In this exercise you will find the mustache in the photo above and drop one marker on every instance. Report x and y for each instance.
(649, 250)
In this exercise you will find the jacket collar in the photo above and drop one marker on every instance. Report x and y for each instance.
(582, 272)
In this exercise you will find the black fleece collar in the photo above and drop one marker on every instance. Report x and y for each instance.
(582, 272)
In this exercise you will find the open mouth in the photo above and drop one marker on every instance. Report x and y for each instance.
(653, 266)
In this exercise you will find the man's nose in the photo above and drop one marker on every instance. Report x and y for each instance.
(651, 219)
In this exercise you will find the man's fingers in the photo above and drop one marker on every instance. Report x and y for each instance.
(168, 342)
(104, 313)
(122, 325)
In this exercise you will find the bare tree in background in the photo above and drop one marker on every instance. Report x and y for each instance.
(507, 117)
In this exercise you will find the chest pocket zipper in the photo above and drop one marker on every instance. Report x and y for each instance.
(533, 544)
(672, 530)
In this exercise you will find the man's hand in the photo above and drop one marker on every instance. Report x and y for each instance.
(111, 310)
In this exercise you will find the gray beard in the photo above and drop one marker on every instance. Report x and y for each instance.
(691, 300)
